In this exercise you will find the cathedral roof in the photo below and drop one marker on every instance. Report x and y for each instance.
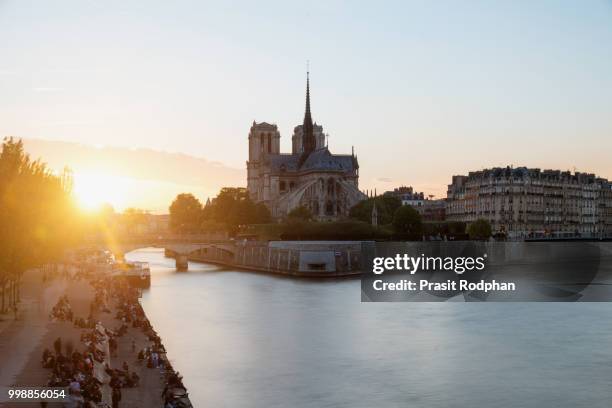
(319, 160)
(287, 162)
(322, 159)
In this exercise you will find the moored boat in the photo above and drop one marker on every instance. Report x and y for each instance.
(138, 274)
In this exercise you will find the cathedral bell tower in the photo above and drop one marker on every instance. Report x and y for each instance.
(264, 141)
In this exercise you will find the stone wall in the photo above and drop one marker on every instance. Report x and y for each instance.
(305, 258)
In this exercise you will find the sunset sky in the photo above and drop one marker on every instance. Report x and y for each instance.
(423, 90)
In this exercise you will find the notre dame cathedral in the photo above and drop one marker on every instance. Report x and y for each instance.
(311, 176)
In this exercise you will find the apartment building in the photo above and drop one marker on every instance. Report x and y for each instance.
(522, 202)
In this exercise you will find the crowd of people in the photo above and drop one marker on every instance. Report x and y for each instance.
(129, 311)
(62, 311)
(75, 370)
(87, 372)
(175, 393)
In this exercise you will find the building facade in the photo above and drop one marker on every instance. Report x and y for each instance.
(429, 209)
(523, 202)
(407, 196)
(434, 210)
(310, 176)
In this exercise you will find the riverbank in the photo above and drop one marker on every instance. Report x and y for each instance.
(121, 323)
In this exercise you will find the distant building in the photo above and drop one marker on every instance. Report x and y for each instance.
(433, 210)
(522, 202)
(311, 176)
(430, 210)
(407, 196)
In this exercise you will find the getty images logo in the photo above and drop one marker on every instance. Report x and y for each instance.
(414, 264)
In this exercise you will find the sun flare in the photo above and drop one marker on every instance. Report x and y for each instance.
(94, 190)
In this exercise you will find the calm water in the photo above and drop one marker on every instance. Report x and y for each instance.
(251, 340)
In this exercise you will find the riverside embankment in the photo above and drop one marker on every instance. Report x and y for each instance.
(348, 258)
(296, 258)
(114, 333)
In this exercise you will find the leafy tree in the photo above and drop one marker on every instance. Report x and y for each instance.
(262, 214)
(226, 207)
(444, 228)
(386, 206)
(36, 216)
(231, 209)
(479, 229)
(185, 214)
(338, 230)
(300, 213)
(407, 222)
(228, 211)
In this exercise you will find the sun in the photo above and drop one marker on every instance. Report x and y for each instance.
(93, 190)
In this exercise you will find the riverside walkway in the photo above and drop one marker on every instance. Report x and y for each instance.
(22, 341)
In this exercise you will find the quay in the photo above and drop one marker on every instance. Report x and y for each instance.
(295, 258)
(90, 313)
(327, 258)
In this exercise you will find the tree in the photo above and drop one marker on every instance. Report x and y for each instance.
(479, 229)
(229, 210)
(37, 216)
(444, 228)
(338, 230)
(407, 222)
(262, 214)
(233, 208)
(185, 214)
(386, 206)
(300, 213)
(226, 207)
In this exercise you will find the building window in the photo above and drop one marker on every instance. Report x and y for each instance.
(283, 186)
(269, 143)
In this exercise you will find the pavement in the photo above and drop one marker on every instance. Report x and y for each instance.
(22, 341)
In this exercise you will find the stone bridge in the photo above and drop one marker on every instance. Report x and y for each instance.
(180, 251)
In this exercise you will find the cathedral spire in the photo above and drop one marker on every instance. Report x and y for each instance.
(307, 116)
(308, 139)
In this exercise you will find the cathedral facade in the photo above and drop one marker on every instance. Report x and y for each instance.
(310, 176)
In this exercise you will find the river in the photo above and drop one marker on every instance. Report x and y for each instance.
(245, 339)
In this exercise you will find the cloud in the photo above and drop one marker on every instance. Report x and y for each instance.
(139, 164)
(384, 179)
(154, 177)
